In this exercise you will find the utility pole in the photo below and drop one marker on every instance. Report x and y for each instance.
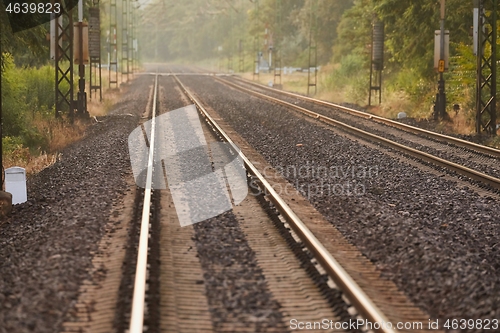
(62, 45)
(135, 65)
(440, 107)
(125, 40)
(156, 42)
(485, 47)
(241, 66)
(82, 95)
(95, 73)
(113, 44)
(277, 45)
(231, 45)
(5, 197)
(130, 42)
(256, 45)
(1, 119)
(313, 50)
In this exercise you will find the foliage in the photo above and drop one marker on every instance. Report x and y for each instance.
(495, 142)
(354, 31)
(196, 29)
(170, 29)
(39, 85)
(350, 66)
(11, 143)
(461, 79)
(409, 81)
(26, 94)
(13, 98)
(29, 47)
(213, 30)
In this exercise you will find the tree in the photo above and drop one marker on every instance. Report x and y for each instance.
(325, 15)
(29, 46)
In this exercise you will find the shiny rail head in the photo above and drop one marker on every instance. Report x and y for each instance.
(181, 74)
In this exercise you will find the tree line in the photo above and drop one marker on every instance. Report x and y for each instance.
(197, 28)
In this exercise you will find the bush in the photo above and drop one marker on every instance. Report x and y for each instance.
(412, 83)
(39, 85)
(350, 78)
(358, 89)
(13, 99)
(352, 68)
(11, 143)
(27, 96)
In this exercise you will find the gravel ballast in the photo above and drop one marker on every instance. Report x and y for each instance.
(437, 241)
(46, 246)
(469, 158)
(236, 289)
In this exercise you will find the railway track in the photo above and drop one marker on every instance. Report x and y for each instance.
(355, 294)
(172, 281)
(323, 259)
(416, 241)
(341, 278)
(163, 306)
(287, 138)
(169, 322)
(477, 162)
(405, 127)
(139, 299)
(247, 269)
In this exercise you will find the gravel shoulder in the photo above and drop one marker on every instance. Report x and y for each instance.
(48, 243)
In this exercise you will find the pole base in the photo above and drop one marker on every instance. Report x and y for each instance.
(5, 204)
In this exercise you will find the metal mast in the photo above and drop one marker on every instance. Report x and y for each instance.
(486, 85)
(313, 51)
(95, 50)
(63, 58)
(277, 48)
(125, 38)
(113, 44)
(130, 41)
(230, 54)
(377, 61)
(241, 66)
(256, 47)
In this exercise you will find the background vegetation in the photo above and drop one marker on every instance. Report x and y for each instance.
(210, 32)
(31, 135)
(211, 29)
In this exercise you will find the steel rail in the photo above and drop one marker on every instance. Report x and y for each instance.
(138, 300)
(448, 139)
(184, 74)
(468, 172)
(342, 279)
